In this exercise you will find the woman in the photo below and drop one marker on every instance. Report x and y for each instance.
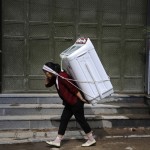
(72, 100)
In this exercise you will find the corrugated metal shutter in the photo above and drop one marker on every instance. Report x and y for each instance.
(36, 31)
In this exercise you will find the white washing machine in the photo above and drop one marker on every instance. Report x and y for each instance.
(82, 62)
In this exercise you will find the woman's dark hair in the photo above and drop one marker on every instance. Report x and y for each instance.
(53, 66)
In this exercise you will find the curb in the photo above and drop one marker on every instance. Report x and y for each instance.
(128, 136)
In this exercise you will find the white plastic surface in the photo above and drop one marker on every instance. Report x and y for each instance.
(84, 65)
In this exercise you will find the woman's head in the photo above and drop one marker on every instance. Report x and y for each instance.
(51, 68)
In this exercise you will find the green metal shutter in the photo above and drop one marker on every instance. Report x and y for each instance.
(37, 31)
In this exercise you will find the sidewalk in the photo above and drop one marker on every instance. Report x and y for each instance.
(100, 134)
(124, 143)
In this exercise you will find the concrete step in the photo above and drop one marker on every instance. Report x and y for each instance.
(16, 136)
(30, 99)
(42, 111)
(56, 109)
(54, 98)
(23, 136)
(52, 121)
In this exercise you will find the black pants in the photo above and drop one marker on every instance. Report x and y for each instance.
(78, 111)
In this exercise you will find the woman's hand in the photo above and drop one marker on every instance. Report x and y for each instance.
(46, 81)
(85, 101)
(81, 98)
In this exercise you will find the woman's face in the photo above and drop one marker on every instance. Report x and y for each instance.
(48, 74)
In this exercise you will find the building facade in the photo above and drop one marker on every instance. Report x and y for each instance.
(37, 31)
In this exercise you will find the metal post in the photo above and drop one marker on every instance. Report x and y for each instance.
(148, 49)
(0, 46)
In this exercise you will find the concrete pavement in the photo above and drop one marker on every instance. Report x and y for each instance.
(107, 139)
(43, 135)
(102, 144)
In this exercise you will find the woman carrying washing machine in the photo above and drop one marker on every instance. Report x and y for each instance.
(72, 100)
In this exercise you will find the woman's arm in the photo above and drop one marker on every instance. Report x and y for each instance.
(80, 97)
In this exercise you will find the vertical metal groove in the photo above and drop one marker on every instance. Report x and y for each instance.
(1, 46)
(77, 18)
(52, 29)
(122, 53)
(147, 80)
(26, 65)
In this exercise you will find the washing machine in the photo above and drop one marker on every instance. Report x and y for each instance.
(83, 64)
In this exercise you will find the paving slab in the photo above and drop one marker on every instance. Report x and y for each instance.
(102, 144)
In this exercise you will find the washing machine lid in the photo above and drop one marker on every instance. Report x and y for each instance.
(77, 45)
